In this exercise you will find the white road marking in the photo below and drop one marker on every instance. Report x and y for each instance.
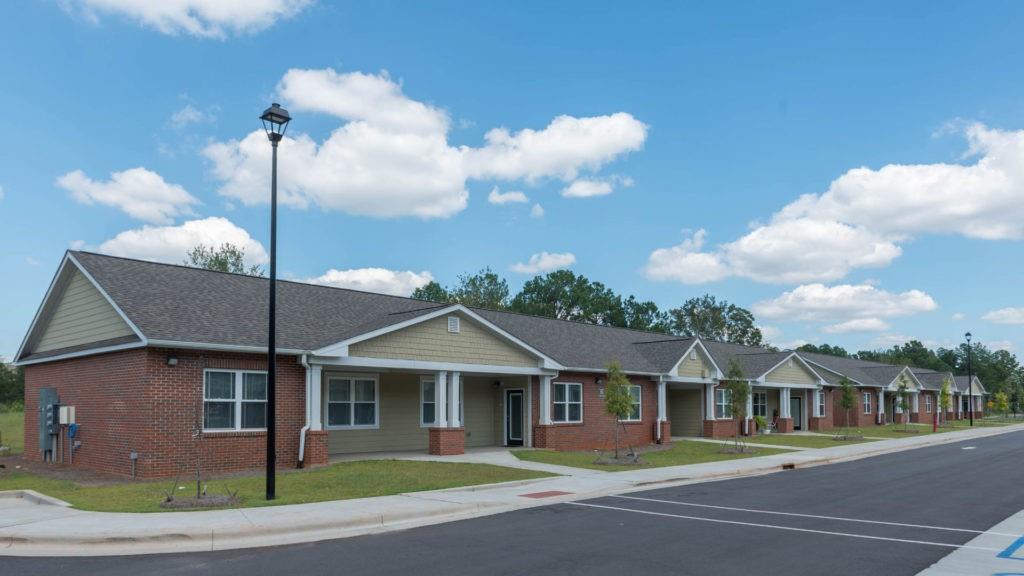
(790, 528)
(967, 448)
(900, 524)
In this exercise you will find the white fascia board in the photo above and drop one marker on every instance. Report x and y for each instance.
(894, 384)
(777, 385)
(697, 342)
(222, 347)
(42, 305)
(80, 353)
(688, 380)
(341, 348)
(385, 363)
(856, 382)
(806, 364)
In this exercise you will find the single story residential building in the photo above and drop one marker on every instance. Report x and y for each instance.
(162, 362)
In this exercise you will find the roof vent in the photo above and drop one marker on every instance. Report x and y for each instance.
(693, 354)
(453, 324)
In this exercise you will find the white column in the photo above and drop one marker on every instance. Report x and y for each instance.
(881, 405)
(785, 406)
(661, 401)
(316, 391)
(750, 402)
(455, 400)
(441, 399)
(915, 403)
(709, 401)
(545, 400)
(529, 411)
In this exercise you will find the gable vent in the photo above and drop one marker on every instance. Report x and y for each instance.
(453, 324)
(693, 354)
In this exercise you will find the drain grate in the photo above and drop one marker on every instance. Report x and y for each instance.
(789, 466)
(548, 494)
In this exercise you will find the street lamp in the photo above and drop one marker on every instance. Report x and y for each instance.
(275, 122)
(970, 378)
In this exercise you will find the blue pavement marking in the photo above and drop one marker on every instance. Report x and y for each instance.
(1012, 549)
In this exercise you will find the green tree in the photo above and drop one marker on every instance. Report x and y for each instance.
(485, 289)
(617, 399)
(710, 318)
(564, 295)
(432, 292)
(644, 315)
(825, 349)
(847, 399)
(738, 391)
(945, 398)
(225, 258)
(1001, 403)
(902, 402)
(12, 385)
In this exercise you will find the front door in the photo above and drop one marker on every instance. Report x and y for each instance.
(797, 412)
(513, 417)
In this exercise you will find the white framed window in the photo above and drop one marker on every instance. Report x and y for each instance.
(693, 354)
(635, 396)
(928, 404)
(722, 408)
(454, 324)
(428, 403)
(760, 401)
(867, 402)
(352, 402)
(568, 402)
(821, 403)
(234, 400)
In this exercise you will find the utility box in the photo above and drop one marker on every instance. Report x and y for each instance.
(67, 415)
(49, 403)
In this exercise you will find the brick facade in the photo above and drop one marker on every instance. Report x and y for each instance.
(447, 441)
(824, 422)
(725, 428)
(666, 432)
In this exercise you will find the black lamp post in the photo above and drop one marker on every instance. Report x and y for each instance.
(970, 378)
(275, 122)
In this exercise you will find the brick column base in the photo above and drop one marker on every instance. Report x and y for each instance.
(447, 441)
(316, 449)
(785, 425)
(819, 423)
(950, 415)
(666, 432)
(719, 428)
(915, 417)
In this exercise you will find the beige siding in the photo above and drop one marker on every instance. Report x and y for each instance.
(431, 341)
(82, 316)
(684, 412)
(795, 374)
(478, 410)
(773, 403)
(694, 368)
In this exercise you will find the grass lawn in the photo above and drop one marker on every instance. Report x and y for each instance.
(12, 431)
(801, 441)
(896, 430)
(359, 479)
(682, 452)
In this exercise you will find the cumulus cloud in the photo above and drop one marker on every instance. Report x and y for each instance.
(857, 325)
(204, 18)
(1, 192)
(187, 116)
(138, 192)
(391, 156)
(844, 302)
(512, 197)
(686, 263)
(586, 188)
(958, 316)
(1005, 316)
(537, 211)
(379, 280)
(544, 262)
(866, 214)
(172, 243)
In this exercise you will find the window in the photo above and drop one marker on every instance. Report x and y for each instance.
(867, 402)
(352, 402)
(760, 404)
(234, 400)
(635, 394)
(928, 404)
(821, 403)
(722, 408)
(693, 354)
(453, 324)
(428, 413)
(568, 402)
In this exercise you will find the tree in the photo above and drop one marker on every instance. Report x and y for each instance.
(564, 295)
(617, 399)
(847, 399)
(485, 289)
(825, 349)
(644, 315)
(945, 398)
(738, 391)
(1001, 403)
(225, 258)
(432, 292)
(902, 405)
(709, 318)
(12, 385)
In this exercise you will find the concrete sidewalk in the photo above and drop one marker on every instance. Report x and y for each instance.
(33, 526)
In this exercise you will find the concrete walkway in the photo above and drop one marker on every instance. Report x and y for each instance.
(33, 526)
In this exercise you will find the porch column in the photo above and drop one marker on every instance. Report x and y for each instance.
(545, 400)
(661, 411)
(709, 401)
(785, 407)
(915, 403)
(529, 412)
(881, 405)
(750, 409)
(455, 421)
(441, 400)
(316, 406)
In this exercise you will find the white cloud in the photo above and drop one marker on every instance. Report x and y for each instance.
(391, 156)
(1005, 316)
(587, 188)
(76, 244)
(498, 197)
(537, 211)
(188, 115)
(686, 263)
(857, 325)
(866, 214)
(544, 262)
(1001, 345)
(379, 280)
(205, 18)
(32, 261)
(958, 316)
(840, 303)
(1, 192)
(172, 243)
(138, 192)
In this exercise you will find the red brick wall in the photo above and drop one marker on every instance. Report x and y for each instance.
(447, 441)
(719, 428)
(598, 428)
(132, 400)
(824, 422)
(858, 419)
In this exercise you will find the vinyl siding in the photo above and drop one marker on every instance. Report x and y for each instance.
(478, 411)
(431, 341)
(82, 316)
(693, 368)
(684, 412)
(795, 374)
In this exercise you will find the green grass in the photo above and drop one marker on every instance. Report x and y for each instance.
(682, 452)
(12, 431)
(801, 441)
(359, 479)
(897, 430)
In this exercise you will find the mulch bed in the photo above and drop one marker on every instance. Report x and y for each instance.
(209, 501)
(846, 437)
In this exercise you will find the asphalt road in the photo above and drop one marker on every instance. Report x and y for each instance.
(708, 528)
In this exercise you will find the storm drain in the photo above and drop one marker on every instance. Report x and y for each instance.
(547, 494)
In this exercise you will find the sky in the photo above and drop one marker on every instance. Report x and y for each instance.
(854, 174)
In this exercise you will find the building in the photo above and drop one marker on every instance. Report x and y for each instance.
(163, 363)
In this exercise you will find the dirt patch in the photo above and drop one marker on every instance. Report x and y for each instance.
(607, 457)
(847, 437)
(210, 501)
(911, 431)
(77, 475)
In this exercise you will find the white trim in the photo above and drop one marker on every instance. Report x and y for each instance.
(238, 400)
(455, 400)
(424, 378)
(441, 399)
(39, 310)
(545, 400)
(892, 386)
(316, 395)
(79, 353)
(688, 380)
(352, 376)
(864, 405)
(223, 347)
(529, 412)
(630, 386)
(707, 355)
(807, 365)
(504, 415)
(108, 298)
(566, 402)
(421, 365)
(840, 374)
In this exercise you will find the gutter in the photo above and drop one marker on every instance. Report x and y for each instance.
(305, 428)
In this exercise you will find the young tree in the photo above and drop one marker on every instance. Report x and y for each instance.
(847, 399)
(1001, 403)
(945, 399)
(12, 384)
(225, 258)
(739, 392)
(902, 402)
(710, 318)
(617, 400)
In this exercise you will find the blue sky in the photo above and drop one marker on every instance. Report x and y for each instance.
(128, 125)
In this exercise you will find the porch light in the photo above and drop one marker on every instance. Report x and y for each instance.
(172, 360)
(275, 122)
